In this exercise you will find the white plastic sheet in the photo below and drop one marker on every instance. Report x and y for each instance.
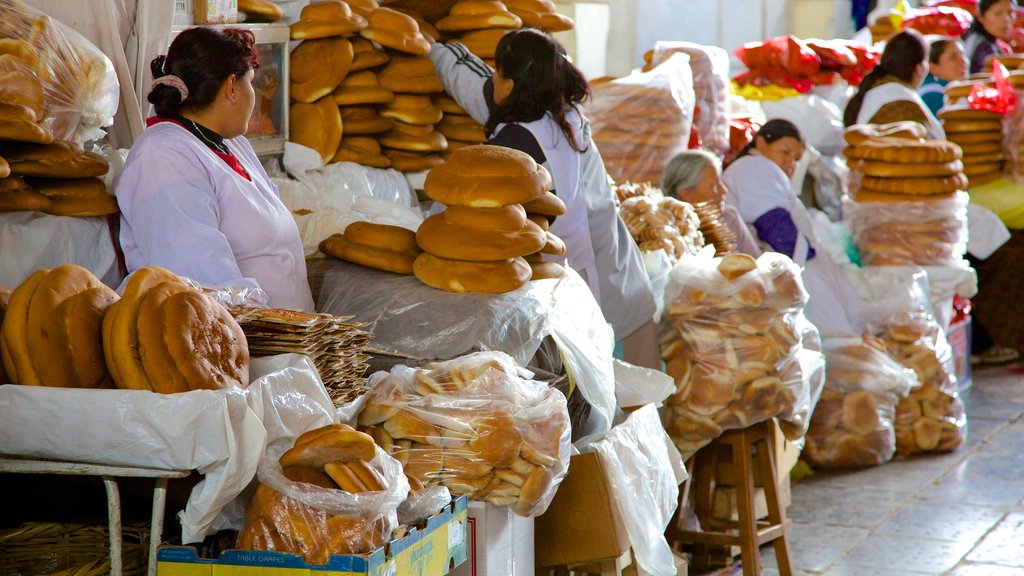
(644, 471)
(820, 121)
(33, 240)
(637, 386)
(411, 320)
(220, 433)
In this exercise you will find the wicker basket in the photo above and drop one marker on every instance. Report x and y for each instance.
(69, 550)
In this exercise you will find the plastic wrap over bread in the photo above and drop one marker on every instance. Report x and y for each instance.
(642, 120)
(332, 492)
(59, 86)
(475, 424)
(737, 329)
(928, 232)
(853, 422)
(710, 67)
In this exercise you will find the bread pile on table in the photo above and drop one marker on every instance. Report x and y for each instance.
(334, 345)
(979, 133)
(480, 242)
(733, 344)
(662, 223)
(908, 207)
(378, 246)
(473, 425)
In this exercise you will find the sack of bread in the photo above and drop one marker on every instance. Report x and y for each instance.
(853, 422)
(710, 67)
(475, 424)
(333, 492)
(657, 222)
(909, 230)
(642, 120)
(79, 88)
(737, 328)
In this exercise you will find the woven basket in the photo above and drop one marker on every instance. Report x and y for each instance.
(69, 550)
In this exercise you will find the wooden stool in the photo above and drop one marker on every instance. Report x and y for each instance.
(743, 459)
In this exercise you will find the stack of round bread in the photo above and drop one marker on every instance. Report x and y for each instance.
(714, 229)
(907, 206)
(379, 246)
(22, 93)
(852, 423)
(638, 126)
(931, 418)
(168, 337)
(63, 173)
(979, 133)
(473, 425)
(479, 25)
(331, 458)
(458, 127)
(732, 349)
(660, 223)
(959, 89)
(478, 243)
(52, 330)
(539, 14)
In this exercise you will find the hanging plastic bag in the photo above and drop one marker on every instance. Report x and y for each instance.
(999, 98)
(940, 20)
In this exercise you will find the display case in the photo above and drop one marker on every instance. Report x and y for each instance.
(268, 127)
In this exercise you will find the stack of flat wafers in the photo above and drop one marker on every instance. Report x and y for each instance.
(335, 345)
(714, 229)
(979, 133)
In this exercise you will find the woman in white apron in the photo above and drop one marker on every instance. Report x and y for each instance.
(194, 198)
(993, 21)
(889, 92)
(759, 188)
(531, 103)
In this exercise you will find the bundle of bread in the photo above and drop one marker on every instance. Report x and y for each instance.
(979, 133)
(642, 120)
(931, 418)
(852, 423)
(714, 229)
(732, 350)
(476, 426)
(629, 189)
(800, 64)
(413, 143)
(378, 246)
(710, 67)
(336, 346)
(657, 222)
(907, 208)
(331, 493)
(57, 178)
(493, 236)
(458, 127)
(56, 85)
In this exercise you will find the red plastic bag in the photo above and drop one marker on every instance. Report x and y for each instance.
(942, 20)
(788, 53)
(834, 54)
(1000, 98)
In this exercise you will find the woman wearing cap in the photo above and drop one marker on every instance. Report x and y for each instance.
(194, 198)
(946, 63)
(759, 188)
(889, 92)
(531, 103)
(993, 21)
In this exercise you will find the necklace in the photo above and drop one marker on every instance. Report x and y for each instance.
(201, 132)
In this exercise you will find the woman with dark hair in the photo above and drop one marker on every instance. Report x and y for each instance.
(993, 21)
(889, 92)
(946, 63)
(531, 103)
(760, 189)
(194, 197)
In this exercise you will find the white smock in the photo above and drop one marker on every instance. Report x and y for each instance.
(757, 186)
(884, 94)
(186, 210)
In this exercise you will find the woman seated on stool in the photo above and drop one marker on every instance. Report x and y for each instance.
(984, 39)
(695, 176)
(194, 197)
(946, 63)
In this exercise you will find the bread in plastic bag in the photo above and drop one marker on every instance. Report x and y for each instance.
(301, 511)
(642, 120)
(737, 327)
(710, 68)
(909, 233)
(657, 222)
(853, 422)
(79, 89)
(476, 425)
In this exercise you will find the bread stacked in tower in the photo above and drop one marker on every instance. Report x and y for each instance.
(458, 127)
(979, 133)
(539, 14)
(907, 208)
(479, 242)
(479, 25)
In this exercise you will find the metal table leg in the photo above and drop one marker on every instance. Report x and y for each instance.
(156, 527)
(114, 521)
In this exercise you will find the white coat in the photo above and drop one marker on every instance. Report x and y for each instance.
(883, 94)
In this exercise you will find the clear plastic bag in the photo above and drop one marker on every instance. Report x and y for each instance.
(642, 120)
(1013, 142)
(915, 233)
(475, 424)
(733, 350)
(853, 422)
(710, 67)
(316, 523)
(79, 86)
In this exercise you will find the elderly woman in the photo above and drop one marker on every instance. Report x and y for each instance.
(695, 176)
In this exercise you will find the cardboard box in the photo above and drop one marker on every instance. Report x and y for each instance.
(436, 548)
(583, 524)
(500, 543)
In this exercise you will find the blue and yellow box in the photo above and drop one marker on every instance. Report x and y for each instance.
(431, 550)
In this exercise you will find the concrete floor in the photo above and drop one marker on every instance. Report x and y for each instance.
(959, 514)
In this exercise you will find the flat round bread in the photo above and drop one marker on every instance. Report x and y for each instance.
(934, 185)
(892, 170)
(902, 151)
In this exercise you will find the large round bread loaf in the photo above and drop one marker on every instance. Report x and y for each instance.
(473, 244)
(893, 170)
(511, 218)
(322, 19)
(903, 151)
(456, 276)
(487, 177)
(382, 236)
(317, 126)
(317, 67)
(932, 185)
(399, 262)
